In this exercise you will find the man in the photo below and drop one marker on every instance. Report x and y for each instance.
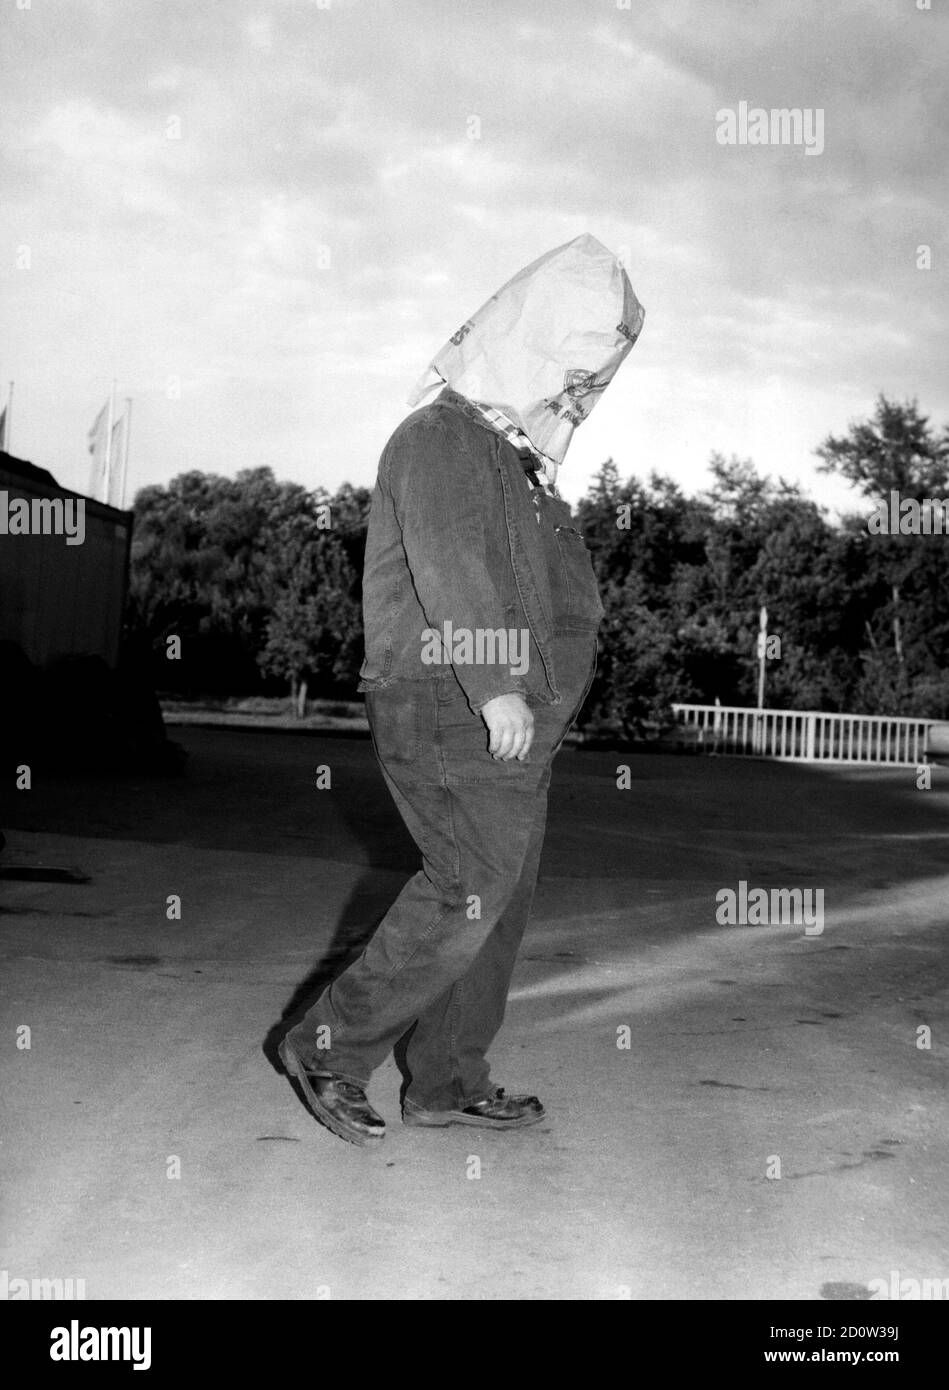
(481, 613)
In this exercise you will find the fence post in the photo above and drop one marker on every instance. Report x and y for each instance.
(809, 737)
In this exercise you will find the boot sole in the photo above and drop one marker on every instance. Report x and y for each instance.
(332, 1122)
(442, 1119)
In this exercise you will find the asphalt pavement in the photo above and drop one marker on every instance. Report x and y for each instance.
(734, 1111)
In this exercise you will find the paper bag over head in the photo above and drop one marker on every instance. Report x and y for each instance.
(543, 349)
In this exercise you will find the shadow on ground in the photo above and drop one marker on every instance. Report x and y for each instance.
(677, 1057)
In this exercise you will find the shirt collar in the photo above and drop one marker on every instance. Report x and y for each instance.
(543, 469)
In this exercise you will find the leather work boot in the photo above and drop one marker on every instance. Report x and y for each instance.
(496, 1111)
(338, 1104)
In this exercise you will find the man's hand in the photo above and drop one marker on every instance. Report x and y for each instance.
(510, 722)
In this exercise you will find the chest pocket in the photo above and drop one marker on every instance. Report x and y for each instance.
(579, 594)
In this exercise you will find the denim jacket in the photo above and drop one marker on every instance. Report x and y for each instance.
(458, 535)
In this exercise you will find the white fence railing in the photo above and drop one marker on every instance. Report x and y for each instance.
(806, 735)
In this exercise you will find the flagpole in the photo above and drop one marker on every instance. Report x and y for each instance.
(125, 451)
(7, 430)
(108, 444)
(762, 649)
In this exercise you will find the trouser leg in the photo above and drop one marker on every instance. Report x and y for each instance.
(446, 1055)
(474, 834)
(479, 825)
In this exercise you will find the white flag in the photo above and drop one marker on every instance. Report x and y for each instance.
(99, 449)
(116, 473)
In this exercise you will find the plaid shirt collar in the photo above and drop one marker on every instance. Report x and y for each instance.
(544, 469)
(541, 470)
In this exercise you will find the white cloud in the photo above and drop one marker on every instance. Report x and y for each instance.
(259, 31)
(780, 292)
(167, 79)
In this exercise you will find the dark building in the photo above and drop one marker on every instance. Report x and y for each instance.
(57, 599)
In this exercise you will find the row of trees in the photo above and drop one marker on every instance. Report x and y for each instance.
(261, 580)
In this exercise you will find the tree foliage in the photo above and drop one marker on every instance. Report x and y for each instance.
(254, 575)
(262, 590)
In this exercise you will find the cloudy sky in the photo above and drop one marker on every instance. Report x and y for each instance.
(264, 218)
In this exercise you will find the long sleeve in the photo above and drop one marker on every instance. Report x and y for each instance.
(448, 503)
